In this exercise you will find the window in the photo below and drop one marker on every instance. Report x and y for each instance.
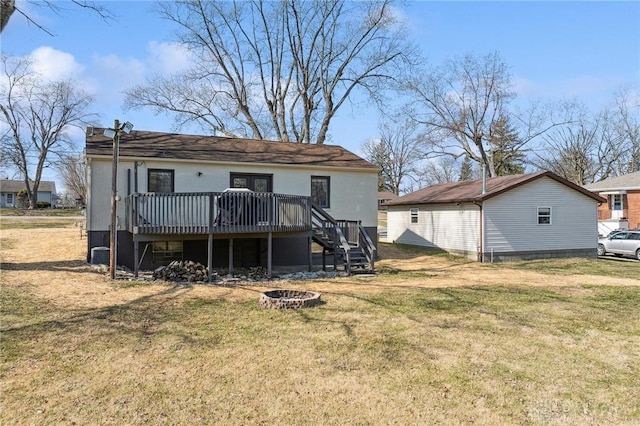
(320, 191)
(10, 199)
(619, 236)
(414, 215)
(160, 180)
(255, 182)
(167, 250)
(544, 215)
(617, 202)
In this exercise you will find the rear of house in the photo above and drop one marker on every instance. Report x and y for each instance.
(176, 190)
(530, 216)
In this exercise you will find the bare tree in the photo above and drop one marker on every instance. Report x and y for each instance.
(8, 8)
(594, 147)
(440, 170)
(73, 171)
(277, 70)
(36, 116)
(460, 105)
(396, 153)
(626, 110)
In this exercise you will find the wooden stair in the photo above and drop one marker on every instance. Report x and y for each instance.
(346, 240)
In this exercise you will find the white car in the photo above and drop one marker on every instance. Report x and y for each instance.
(623, 243)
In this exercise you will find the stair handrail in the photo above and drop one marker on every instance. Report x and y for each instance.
(320, 213)
(341, 241)
(370, 251)
(344, 244)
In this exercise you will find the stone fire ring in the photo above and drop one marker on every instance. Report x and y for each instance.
(288, 299)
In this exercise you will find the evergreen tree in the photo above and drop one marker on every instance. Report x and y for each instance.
(505, 148)
(466, 169)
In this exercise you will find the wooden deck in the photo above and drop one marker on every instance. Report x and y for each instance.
(204, 213)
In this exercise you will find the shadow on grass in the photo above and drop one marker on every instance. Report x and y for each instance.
(32, 320)
(61, 265)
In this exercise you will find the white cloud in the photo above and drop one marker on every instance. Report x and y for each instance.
(54, 64)
(110, 75)
(167, 58)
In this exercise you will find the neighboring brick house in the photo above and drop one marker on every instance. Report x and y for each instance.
(622, 209)
(9, 190)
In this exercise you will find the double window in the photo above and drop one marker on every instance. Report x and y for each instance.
(160, 180)
(254, 182)
(320, 191)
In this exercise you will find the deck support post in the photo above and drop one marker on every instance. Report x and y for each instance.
(210, 256)
(136, 255)
(210, 241)
(310, 245)
(269, 253)
(230, 256)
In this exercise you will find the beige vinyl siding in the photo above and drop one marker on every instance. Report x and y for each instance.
(511, 224)
(448, 227)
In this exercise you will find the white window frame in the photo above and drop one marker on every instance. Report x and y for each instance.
(617, 200)
(544, 215)
(413, 215)
(10, 199)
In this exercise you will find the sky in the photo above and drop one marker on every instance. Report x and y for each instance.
(556, 50)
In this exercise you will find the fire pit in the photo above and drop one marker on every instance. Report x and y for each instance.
(288, 299)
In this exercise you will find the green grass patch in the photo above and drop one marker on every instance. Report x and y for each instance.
(11, 212)
(6, 223)
(573, 266)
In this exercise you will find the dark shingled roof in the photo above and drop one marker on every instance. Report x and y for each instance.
(144, 144)
(471, 191)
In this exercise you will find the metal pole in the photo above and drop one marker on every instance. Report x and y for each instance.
(114, 191)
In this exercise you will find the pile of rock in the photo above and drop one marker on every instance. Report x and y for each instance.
(182, 271)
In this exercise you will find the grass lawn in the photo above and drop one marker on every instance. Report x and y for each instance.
(13, 212)
(431, 340)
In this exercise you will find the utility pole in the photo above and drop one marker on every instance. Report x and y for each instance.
(113, 257)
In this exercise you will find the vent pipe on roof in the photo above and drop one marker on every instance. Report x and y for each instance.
(484, 179)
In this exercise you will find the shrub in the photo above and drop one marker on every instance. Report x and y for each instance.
(43, 205)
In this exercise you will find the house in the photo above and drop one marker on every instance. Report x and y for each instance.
(622, 209)
(528, 216)
(9, 190)
(229, 201)
(383, 197)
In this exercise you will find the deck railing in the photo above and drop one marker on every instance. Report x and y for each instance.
(217, 212)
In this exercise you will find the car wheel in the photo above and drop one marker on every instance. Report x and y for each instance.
(638, 254)
(601, 250)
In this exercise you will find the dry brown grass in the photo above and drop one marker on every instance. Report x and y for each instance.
(431, 340)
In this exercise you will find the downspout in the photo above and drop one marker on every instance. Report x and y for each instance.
(479, 204)
(481, 235)
(135, 176)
